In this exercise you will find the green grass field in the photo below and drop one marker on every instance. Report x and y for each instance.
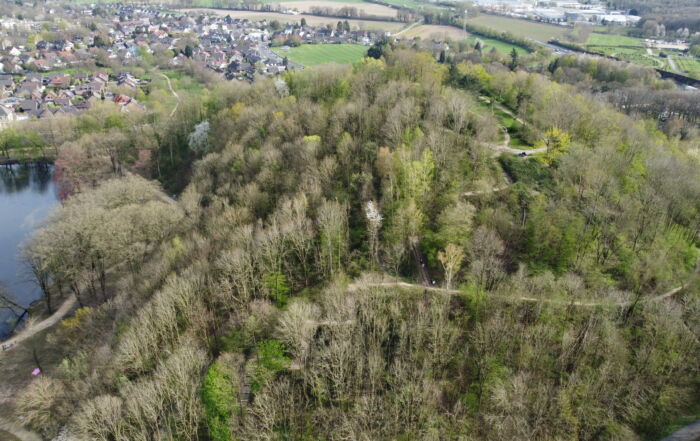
(418, 5)
(633, 49)
(314, 54)
(521, 28)
(597, 39)
(689, 65)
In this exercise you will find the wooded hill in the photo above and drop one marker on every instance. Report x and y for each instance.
(264, 303)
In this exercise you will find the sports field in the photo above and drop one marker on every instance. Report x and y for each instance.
(521, 28)
(314, 54)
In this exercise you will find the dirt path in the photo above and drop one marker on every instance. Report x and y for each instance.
(411, 26)
(17, 431)
(505, 147)
(29, 332)
(672, 64)
(177, 97)
(358, 285)
(507, 111)
(690, 432)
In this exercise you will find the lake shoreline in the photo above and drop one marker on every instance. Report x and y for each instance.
(28, 192)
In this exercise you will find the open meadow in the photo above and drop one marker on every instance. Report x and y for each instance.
(613, 40)
(501, 46)
(314, 54)
(442, 33)
(417, 5)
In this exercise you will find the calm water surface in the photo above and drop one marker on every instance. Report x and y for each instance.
(27, 194)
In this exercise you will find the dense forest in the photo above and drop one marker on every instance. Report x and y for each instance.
(349, 255)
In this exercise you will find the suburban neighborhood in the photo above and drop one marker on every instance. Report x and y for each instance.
(51, 67)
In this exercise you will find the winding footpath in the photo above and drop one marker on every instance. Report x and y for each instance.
(411, 26)
(172, 91)
(501, 148)
(358, 286)
(32, 330)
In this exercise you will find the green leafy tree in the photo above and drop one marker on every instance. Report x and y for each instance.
(277, 287)
(513, 59)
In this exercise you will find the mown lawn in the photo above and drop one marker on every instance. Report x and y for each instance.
(314, 54)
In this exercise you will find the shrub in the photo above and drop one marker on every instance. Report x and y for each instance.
(271, 359)
(219, 392)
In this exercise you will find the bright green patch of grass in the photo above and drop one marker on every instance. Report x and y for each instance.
(690, 66)
(314, 54)
(686, 418)
(501, 46)
(597, 39)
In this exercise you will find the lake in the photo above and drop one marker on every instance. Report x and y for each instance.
(27, 194)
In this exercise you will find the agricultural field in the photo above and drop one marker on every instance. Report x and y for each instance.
(310, 19)
(435, 32)
(367, 8)
(635, 50)
(689, 65)
(629, 48)
(441, 33)
(521, 28)
(314, 54)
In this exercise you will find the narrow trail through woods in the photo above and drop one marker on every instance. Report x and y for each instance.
(32, 330)
(177, 97)
(358, 286)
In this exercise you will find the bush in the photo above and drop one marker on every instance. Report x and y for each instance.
(219, 392)
(271, 359)
(530, 173)
(43, 405)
